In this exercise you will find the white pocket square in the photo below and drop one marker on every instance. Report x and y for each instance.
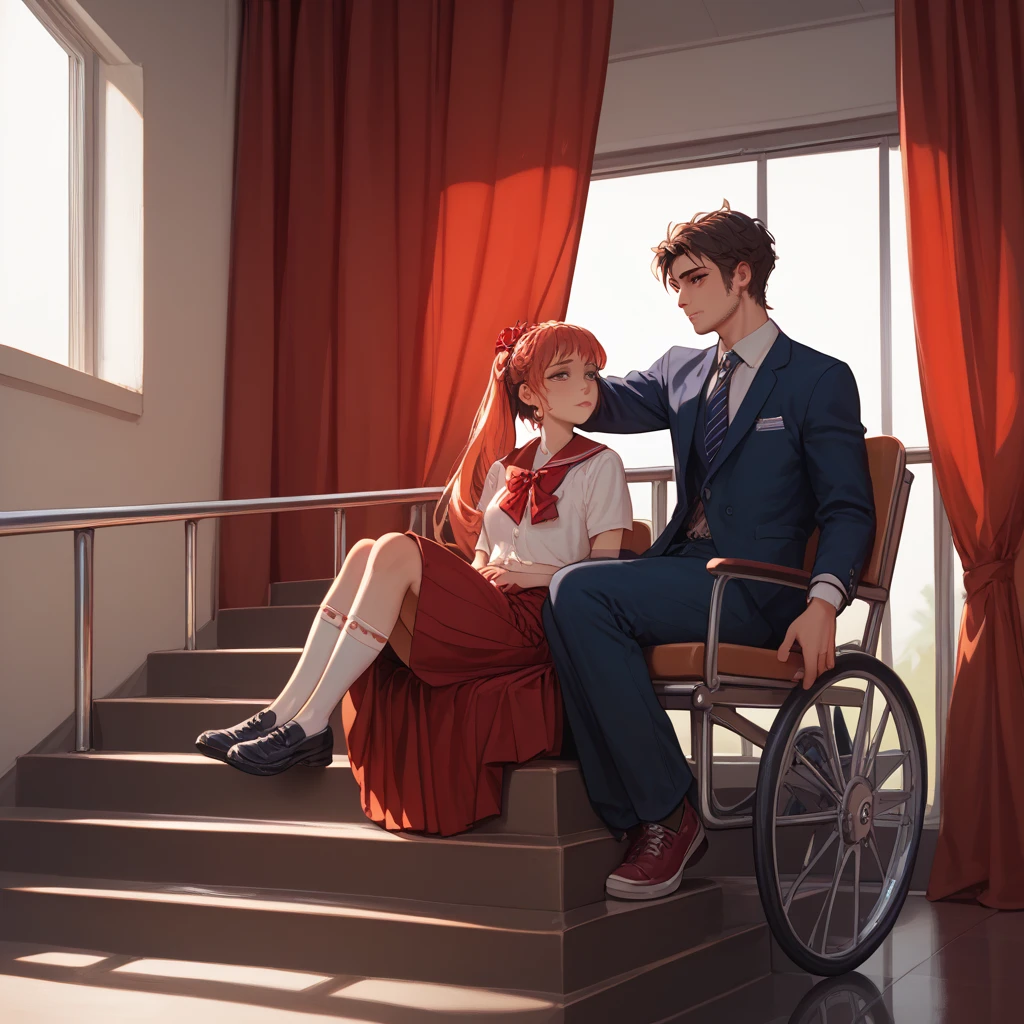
(770, 423)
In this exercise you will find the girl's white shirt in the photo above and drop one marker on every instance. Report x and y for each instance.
(592, 498)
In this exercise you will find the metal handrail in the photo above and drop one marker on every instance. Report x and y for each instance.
(60, 519)
(85, 521)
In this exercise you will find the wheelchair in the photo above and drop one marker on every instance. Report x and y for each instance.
(839, 802)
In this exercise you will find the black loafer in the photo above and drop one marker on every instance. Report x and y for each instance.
(216, 743)
(280, 749)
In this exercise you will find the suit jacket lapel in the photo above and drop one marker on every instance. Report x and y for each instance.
(753, 401)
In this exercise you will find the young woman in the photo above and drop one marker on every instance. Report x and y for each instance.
(442, 664)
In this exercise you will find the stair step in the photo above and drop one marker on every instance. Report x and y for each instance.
(663, 991)
(540, 798)
(248, 674)
(299, 592)
(410, 940)
(267, 626)
(357, 858)
(171, 724)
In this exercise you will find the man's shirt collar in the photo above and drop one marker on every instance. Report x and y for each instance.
(755, 346)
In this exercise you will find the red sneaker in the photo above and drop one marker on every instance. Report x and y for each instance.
(657, 857)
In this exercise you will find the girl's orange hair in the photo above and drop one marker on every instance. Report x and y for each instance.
(493, 434)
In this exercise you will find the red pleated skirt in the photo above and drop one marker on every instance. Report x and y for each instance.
(427, 742)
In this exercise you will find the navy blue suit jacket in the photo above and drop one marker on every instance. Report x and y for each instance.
(766, 489)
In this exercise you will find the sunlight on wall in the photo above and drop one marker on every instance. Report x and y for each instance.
(34, 186)
(120, 352)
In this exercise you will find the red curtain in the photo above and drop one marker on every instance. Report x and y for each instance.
(961, 90)
(410, 178)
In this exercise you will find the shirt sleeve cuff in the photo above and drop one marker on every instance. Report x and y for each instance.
(828, 588)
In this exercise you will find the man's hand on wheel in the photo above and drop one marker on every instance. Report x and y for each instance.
(815, 633)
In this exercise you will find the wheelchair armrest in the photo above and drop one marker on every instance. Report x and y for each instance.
(760, 572)
(765, 572)
(726, 569)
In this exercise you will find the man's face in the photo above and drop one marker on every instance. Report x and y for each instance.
(701, 292)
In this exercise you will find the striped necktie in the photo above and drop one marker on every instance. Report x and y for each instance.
(716, 416)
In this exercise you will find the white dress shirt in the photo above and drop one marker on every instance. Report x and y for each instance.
(752, 350)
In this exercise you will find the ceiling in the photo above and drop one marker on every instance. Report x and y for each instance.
(640, 25)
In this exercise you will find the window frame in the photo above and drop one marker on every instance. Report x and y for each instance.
(91, 52)
(881, 132)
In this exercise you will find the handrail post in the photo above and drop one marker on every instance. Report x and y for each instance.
(340, 542)
(83, 639)
(191, 527)
(659, 508)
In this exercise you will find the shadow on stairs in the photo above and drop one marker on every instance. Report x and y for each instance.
(148, 876)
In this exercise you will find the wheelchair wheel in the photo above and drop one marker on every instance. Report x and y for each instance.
(837, 825)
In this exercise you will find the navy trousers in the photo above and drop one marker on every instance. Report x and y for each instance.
(598, 618)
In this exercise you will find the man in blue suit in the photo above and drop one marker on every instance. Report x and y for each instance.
(768, 444)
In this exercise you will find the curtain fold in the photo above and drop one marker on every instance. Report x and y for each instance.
(410, 178)
(961, 95)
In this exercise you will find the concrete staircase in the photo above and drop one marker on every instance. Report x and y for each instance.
(145, 848)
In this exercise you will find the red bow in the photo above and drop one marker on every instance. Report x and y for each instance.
(524, 484)
(538, 486)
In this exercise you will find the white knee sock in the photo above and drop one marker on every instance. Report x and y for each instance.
(355, 652)
(320, 644)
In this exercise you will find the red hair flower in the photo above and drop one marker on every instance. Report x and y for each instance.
(509, 336)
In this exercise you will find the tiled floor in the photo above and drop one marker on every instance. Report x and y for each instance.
(943, 963)
(947, 963)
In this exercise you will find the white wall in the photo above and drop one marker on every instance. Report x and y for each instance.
(54, 454)
(736, 85)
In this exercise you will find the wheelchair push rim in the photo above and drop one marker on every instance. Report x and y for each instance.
(863, 833)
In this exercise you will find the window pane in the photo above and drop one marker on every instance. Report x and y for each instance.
(615, 295)
(912, 611)
(34, 198)
(121, 323)
(908, 412)
(823, 212)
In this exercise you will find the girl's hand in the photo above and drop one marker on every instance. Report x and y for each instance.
(524, 580)
(492, 572)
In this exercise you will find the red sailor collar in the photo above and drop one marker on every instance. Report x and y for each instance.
(523, 483)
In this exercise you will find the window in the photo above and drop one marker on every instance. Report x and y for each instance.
(841, 285)
(70, 208)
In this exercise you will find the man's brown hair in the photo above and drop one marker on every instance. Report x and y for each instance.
(727, 238)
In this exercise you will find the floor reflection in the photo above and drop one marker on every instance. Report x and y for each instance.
(848, 999)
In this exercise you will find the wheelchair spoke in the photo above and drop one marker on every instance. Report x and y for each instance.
(856, 896)
(861, 736)
(828, 727)
(887, 799)
(873, 847)
(876, 742)
(900, 762)
(828, 788)
(807, 870)
(842, 855)
(888, 821)
(813, 818)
